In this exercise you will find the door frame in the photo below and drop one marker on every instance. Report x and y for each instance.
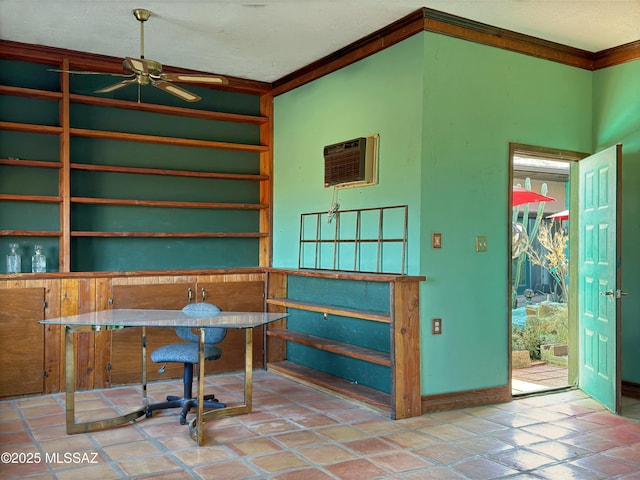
(544, 153)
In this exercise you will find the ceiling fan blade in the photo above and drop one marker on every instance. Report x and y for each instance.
(176, 90)
(194, 78)
(85, 72)
(117, 86)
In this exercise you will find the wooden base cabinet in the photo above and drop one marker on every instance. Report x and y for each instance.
(355, 334)
(22, 341)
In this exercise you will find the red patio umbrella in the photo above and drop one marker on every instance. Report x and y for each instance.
(522, 195)
(563, 215)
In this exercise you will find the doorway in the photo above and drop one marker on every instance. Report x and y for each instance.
(542, 336)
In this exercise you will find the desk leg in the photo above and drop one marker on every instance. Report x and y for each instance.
(200, 414)
(70, 381)
(196, 425)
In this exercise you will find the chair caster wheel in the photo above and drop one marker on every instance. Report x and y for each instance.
(148, 413)
(183, 420)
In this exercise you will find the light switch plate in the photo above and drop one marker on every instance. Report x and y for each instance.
(436, 240)
(481, 244)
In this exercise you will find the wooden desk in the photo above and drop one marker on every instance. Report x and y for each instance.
(113, 319)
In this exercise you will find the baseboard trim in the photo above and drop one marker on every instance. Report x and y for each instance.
(630, 389)
(468, 398)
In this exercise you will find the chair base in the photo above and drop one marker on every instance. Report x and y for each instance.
(186, 402)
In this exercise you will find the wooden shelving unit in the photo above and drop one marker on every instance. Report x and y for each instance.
(69, 120)
(316, 322)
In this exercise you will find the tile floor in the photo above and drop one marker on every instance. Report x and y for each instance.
(296, 432)
(538, 377)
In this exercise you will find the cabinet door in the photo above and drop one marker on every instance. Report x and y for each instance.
(21, 341)
(235, 297)
(126, 359)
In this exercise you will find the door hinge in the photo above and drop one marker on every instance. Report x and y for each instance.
(44, 373)
(110, 300)
(44, 304)
(109, 367)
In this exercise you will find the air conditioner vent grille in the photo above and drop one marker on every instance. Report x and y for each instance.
(344, 162)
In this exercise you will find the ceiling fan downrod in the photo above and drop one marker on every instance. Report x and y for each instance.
(142, 15)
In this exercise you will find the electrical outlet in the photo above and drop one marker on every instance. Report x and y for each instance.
(481, 244)
(436, 326)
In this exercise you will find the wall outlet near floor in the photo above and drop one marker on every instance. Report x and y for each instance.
(436, 326)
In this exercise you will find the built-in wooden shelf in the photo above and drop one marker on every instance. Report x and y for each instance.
(29, 163)
(169, 172)
(184, 142)
(30, 233)
(29, 93)
(163, 203)
(306, 375)
(364, 372)
(168, 110)
(31, 128)
(329, 310)
(353, 351)
(30, 198)
(78, 233)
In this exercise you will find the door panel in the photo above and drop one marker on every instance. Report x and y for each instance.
(21, 341)
(126, 360)
(599, 276)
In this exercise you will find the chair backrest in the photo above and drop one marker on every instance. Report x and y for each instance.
(212, 335)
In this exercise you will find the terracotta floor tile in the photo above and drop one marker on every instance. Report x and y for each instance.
(410, 439)
(356, 470)
(298, 439)
(102, 471)
(568, 472)
(401, 461)
(483, 469)
(14, 438)
(203, 455)
(312, 420)
(522, 459)
(447, 432)
(254, 446)
(296, 432)
(13, 426)
(517, 437)
(630, 454)
(277, 462)
(274, 426)
(445, 453)
(341, 433)
(376, 427)
(483, 445)
(604, 465)
(229, 434)
(305, 473)
(369, 446)
(233, 470)
(326, 454)
(435, 473)
(558, 450)
(147, 465)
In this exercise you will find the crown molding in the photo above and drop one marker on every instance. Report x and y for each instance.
(429, 20)
(54, 56)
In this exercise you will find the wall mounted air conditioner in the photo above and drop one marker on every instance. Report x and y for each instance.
(353, 163)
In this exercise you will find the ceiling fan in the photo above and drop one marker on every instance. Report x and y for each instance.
(142, 71)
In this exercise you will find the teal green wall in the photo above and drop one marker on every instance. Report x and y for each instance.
(616, 105)
(477, 99)
(446, 111)
(380, 94)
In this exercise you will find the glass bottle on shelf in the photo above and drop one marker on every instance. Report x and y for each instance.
(38, 260)
(14, 260)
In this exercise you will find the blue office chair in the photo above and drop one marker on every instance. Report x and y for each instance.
(187, 354)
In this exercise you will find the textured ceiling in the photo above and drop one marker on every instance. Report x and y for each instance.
(268, 39)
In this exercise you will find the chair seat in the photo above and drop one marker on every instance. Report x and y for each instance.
(184, 353)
